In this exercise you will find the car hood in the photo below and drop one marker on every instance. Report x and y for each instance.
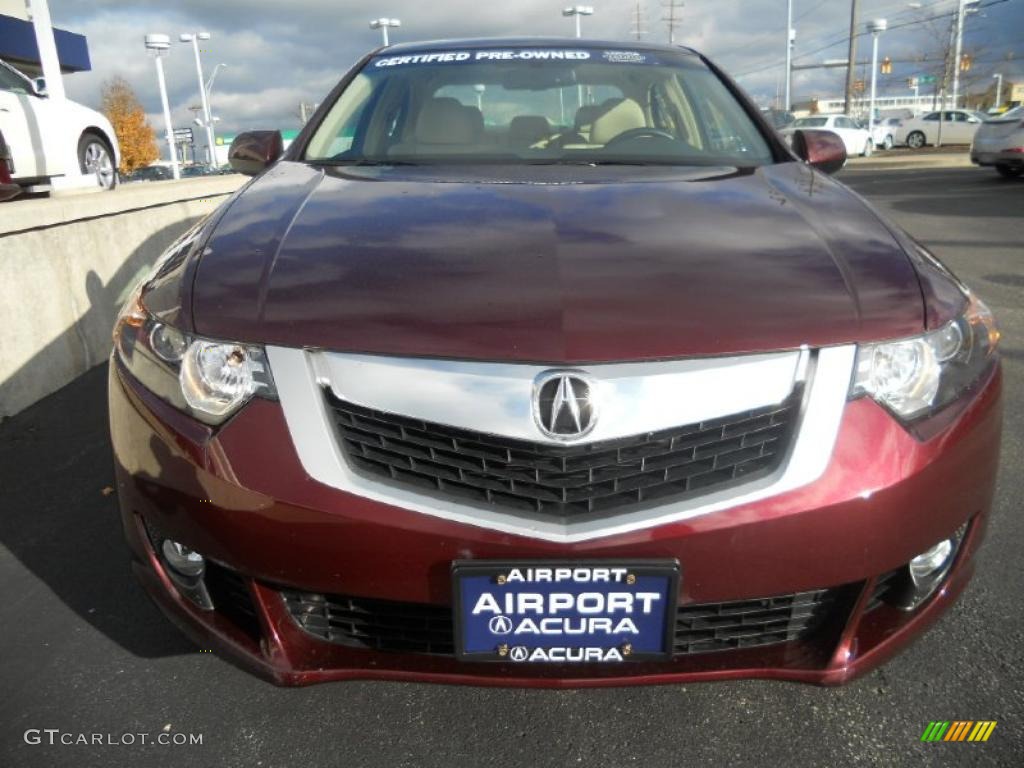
(565, 264)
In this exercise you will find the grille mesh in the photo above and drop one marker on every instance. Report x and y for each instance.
(381, 625)
(750, 623)
(566, 481)
(384, 625)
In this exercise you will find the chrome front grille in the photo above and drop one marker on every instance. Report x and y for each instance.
(566, 482)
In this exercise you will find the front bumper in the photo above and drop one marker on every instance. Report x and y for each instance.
(241, 497)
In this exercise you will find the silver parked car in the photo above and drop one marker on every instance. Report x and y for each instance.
(999, 142)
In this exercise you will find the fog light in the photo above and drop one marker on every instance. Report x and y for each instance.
(918, 579)
(926, 566)
(182, 559)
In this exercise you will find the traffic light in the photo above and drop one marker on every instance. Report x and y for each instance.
(965, 63)
(886, 67)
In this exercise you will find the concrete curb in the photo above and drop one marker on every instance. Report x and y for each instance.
(909, 162)
(66, 265)
(23, 215)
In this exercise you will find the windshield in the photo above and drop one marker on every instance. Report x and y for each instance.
(1017, 113)
(538, 105)
(811, 122)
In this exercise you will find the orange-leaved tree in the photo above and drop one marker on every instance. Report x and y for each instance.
(133, 131)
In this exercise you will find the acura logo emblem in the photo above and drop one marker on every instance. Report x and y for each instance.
(500, 625)
(564, 405)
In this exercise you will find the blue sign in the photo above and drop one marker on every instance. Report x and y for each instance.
(575, 612)
(18, 46)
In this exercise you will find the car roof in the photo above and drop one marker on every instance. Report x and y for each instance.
(524, 42)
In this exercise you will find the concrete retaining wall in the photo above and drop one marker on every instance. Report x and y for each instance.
(66, 265)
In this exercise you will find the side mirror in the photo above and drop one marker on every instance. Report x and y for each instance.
(39, 87)
(823, 150)
(254, 151)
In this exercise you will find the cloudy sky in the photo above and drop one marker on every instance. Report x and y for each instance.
(281, 52)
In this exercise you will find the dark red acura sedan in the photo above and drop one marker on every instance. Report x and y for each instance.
(548, 363)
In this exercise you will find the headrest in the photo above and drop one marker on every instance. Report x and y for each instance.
(528, 129)
(624, 116)
(585, 115)
(447, 121)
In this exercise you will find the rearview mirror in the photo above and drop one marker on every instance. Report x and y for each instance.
(254, 151)
(39, 87)
(823, 150)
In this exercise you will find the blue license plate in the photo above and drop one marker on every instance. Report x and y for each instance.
(565, 612)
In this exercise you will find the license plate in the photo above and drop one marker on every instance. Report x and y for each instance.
(564, 612)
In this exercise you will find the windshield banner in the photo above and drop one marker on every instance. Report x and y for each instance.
(513, 54)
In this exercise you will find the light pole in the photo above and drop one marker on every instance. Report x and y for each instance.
(999, 88)
(577, 11)
(962, 10)
(194, 38)
(382, 25)
(790, 37)
(876, 27)
(209, 83)
(158, 45)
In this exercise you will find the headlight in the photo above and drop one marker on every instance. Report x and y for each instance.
(916, 377)
(208, 379)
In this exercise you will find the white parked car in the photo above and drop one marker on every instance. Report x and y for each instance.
(883, 134)
(999, 142)
(958, 127)
(856, 138)
(41, 135)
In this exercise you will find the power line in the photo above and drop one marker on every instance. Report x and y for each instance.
(846, 38)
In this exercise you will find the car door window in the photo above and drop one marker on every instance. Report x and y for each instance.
(932, 116)
(9, 81)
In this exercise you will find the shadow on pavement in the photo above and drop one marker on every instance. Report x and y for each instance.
(59, 514)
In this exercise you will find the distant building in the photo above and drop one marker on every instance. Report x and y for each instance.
(885, 105)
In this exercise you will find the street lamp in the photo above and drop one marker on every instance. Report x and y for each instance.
(876, 27)
(209, 101)
(790, 39)
(578, 11)
(382, 25)
(194, 38)
(999, 88)
(158, 45)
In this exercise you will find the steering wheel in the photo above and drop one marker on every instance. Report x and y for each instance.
(640, 133)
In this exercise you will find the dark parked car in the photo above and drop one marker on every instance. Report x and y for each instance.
(149, 173)
(548, 363)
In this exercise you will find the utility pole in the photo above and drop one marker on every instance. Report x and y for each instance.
(639, 20)
(672, 18)
(851, 59)
(790, 35)
(999, 89)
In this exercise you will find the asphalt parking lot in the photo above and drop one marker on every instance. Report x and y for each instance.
(82, 650)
